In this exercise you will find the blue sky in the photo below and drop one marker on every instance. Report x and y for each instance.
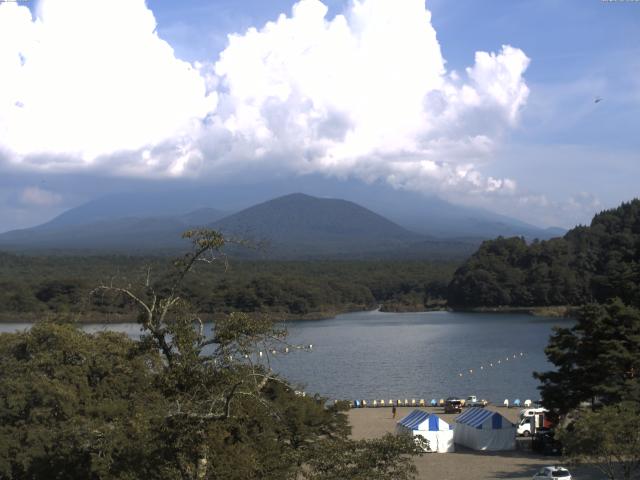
(528, 141)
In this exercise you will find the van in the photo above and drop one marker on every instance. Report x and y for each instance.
(529, 425)
(530, 412)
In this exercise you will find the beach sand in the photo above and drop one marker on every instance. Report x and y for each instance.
(464, 463)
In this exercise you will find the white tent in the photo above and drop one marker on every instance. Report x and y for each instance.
(438, 432)
(482, 429)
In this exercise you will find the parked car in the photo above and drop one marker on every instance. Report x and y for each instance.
(453, 405)
(472, 401)
(553, 473)
(544, 441)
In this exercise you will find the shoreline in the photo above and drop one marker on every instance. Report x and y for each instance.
(116, 318)
(561, 311)
(556, 311)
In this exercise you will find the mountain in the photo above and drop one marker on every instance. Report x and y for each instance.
(152, 204)
(405, 224)
(295, 226)
(426, 215)
(299, 224)
(130, 234)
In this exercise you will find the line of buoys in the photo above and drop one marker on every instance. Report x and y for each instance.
(421, 403)
(399, 403)
(283, 351)
(491, 364)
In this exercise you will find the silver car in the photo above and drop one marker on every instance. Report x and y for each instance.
(553, 473)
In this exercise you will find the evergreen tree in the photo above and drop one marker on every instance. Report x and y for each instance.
(597, 360)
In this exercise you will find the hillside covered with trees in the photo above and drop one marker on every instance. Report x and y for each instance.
(590, 263)
(32, 286)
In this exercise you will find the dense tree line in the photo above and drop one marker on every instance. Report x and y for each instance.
(62, 284)
(590, 263)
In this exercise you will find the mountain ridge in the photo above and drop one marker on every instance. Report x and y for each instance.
(427, 215)
(296, 225)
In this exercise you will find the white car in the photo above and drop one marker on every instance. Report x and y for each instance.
(553, 473)
(472, 401)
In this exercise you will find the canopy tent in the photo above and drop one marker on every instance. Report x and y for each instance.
(438, 432)
(482, 429)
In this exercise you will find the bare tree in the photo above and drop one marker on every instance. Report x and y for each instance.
(208, 370)
(218, 383)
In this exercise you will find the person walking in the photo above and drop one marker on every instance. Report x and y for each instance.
(393, 411)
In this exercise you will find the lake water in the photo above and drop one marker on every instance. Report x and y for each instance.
(369, 355)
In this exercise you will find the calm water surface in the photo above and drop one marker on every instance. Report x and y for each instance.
(369, 355)
(388, 355)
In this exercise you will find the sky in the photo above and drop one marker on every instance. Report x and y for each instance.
(529, 109)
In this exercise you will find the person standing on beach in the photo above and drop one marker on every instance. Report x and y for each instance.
(393, 411)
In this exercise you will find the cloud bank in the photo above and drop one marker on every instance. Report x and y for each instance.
(89, 85)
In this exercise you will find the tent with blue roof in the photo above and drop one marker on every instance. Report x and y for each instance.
(428, 425)
(482, 429)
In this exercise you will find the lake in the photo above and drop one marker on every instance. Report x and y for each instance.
(367, 355)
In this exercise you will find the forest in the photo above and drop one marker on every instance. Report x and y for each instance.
(33, 286)
(589, 264)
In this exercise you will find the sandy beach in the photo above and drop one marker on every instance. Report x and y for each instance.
(464, 463)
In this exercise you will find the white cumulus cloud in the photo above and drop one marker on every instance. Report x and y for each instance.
(89, 84)
(89, 78)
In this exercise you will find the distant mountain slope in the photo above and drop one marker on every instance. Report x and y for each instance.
(295, 226)
(299, 224)
(405, 225)
(436, 217)
(133, 205)
(130, 234)
(427, 215)
(597, 262)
